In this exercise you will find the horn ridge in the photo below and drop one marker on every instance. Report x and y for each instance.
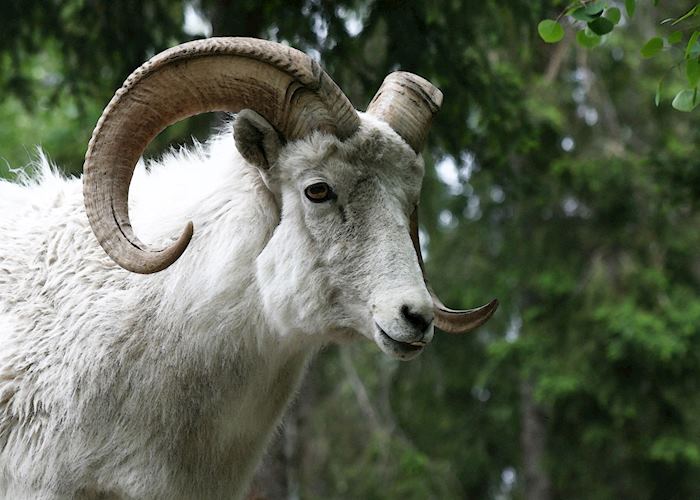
(407, 102)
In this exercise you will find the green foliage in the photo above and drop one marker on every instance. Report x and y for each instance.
(587, 39)
(613, 14)
(692, 12)
(675, 38)
(693, 47)
(550, 31)
(652, 47)
(686, 100)
(596, 18)
(692, 70)
(601, 26)
(57, 121)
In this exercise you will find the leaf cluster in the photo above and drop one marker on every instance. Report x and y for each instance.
(596, 19)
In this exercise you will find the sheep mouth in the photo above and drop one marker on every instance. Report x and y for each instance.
(397, 348)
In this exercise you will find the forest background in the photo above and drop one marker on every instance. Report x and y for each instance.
(554, 182)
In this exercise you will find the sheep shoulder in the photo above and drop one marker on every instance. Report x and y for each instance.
(102, 370)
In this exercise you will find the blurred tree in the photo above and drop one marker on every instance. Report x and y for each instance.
(554, 183)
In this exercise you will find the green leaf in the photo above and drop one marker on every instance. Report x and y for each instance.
(686, 100)
(692, 70)
(595, 8)
(659, 89)
(630, 7)
(691, 44)
(652, 47)
(685, 16)
(601, 26)
(656, 2)
(550, 31)
(587, 39)
(581, 15)
(613, 14)
(675, 37)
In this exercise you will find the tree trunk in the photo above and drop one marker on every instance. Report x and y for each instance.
(271, 482)
(533, 439)
(279, 474)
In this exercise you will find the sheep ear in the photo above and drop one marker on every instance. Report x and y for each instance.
(256, 139)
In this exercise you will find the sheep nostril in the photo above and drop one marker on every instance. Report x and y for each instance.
(418, 321)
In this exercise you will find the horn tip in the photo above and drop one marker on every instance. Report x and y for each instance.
(453, 321)
(158, 261)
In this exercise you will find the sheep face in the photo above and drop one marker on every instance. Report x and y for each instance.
(341, 262)
(341, 257)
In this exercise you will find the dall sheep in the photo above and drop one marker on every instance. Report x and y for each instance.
(128, 372)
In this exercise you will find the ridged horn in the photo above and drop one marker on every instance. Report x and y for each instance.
(286, 87)
(407, 102)
(446, 319)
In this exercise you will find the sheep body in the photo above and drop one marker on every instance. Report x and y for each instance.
(138, 385)
(119, 385)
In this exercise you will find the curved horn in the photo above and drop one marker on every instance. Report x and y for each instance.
(407, 102)
(282, 84)
(446, 319)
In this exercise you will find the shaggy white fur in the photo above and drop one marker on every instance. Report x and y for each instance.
(117, 385)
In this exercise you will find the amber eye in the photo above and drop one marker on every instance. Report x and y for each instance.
(319, 192)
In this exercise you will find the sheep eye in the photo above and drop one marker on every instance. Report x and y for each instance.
(319, 192)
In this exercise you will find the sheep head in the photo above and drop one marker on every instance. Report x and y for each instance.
(348, 184)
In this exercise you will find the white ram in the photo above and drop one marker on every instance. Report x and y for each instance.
(119, 384)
